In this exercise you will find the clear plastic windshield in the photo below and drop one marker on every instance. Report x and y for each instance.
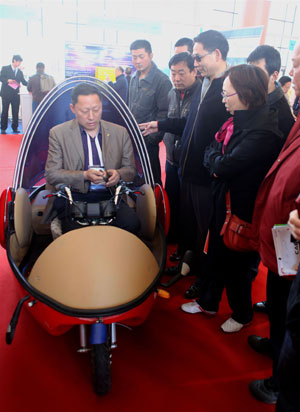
(55, 109)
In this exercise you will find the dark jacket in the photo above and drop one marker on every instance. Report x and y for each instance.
(198, 132)
(296, 106)
(277, 100)
(121, 86)
(178, 107)
(148, 98)
(34, 86)
(251, 151)
(293, 312)
(8, 73)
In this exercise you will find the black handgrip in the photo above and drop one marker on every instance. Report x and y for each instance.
(10, 333)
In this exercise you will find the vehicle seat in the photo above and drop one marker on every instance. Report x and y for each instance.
(38, 207)
(146, 212)
(21, 239)
(96, 267)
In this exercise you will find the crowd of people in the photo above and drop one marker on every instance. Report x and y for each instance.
(232, 143)
(237, 136)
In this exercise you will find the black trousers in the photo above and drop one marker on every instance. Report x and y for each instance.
(126, 217)
(172, 187)
(153, 153)
(289, 376)
(278, 289)
(14, 101)
(225, 268)
(195, 211)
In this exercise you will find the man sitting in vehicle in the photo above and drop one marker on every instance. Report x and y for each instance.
(90, 156)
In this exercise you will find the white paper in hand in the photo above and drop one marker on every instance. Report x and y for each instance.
(287, 250)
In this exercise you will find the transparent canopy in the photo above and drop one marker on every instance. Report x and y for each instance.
(55, 109)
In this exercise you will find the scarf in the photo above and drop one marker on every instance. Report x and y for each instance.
(225, 133)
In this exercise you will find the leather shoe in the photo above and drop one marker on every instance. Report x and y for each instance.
(16, 131)
(193, 292)
(260, 345)
(264, 390)
(261, 306)
(3, 131)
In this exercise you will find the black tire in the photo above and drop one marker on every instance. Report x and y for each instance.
(101, 368)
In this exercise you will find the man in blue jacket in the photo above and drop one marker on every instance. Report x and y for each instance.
(121, 83)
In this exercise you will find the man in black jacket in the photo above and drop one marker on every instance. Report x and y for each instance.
(207, 114)
(183, 76)
(268, 59)
(148, 97)
(11, 77)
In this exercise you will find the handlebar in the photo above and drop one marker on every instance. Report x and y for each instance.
(64, 191)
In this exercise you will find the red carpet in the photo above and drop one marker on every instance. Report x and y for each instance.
(173, 362)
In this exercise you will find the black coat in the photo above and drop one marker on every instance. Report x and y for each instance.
(251, 151)
(121, 86)
(198, 131)
(178, 108)
(277, 100)
(8, 73)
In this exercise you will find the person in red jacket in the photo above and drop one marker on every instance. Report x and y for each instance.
(275, 201)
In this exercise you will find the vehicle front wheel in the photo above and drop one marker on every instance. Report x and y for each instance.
(101, 370)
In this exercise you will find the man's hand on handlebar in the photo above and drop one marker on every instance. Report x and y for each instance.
(148, 128)
(95, 176)
(113, 177)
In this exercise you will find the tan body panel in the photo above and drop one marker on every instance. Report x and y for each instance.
(95, 267)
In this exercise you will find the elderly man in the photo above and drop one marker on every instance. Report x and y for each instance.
(121, 83)
(86, 141)
(183, 76)
(275, 201)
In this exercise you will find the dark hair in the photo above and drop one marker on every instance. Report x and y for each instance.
(182, 57)
(84, 89)
(212, 40)
(271, 56)
(17, 58)
(141, 44)
(185, 41)
(284, 79)
(128, 70)
(40, 65)
(120, 68)
(250, 83)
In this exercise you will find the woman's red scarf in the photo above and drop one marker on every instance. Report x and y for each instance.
(225, 133)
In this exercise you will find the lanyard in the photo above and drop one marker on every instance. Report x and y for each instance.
(90, 152)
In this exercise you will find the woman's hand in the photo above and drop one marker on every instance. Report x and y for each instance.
(148, 128)
(294, 223)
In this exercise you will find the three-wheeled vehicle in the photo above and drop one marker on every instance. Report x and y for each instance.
(97, 276)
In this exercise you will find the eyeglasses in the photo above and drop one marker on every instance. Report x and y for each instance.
(198, 58)
(225, 96)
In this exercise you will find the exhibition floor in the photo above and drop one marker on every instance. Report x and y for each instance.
(174, 361)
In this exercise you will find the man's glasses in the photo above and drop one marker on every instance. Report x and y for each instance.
(225, 96)
(198, 58)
